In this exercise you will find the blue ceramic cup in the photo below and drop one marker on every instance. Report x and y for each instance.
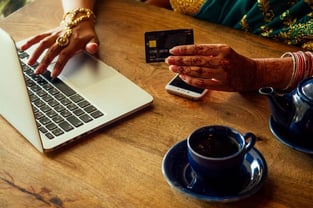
(217, 152)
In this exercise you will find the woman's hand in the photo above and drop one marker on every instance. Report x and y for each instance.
(213, 66)
(83, 38)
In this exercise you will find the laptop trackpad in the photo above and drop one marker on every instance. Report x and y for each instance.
(82, 71)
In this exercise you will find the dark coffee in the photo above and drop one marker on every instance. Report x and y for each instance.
(215, 146)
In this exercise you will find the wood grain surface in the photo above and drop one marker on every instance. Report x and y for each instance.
(120, 165)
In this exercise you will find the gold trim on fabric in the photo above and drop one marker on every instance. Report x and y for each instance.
(188, 7)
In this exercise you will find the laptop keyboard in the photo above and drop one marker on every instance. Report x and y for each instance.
(57, 107)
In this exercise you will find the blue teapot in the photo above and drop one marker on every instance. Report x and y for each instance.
(293, 111)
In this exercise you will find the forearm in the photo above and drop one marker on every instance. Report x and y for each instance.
(73, 4)
(274, 72)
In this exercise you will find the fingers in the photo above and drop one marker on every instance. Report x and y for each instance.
(34, 40)
(52, 52)
(63, 58)
(207, 61)
(213, 66)
(83, 38)
(200, 49)
(200, 72)
(211, 84)
(64, 54)
(44, 44)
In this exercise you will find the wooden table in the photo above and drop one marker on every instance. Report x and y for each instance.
(120, 166)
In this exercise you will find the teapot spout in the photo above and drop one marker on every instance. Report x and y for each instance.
(280, 105)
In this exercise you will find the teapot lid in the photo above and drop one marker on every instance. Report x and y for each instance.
(306, 88)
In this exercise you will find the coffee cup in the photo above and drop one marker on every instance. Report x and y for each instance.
(216, 153)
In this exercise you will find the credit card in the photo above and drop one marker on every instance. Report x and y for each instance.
(158, 43)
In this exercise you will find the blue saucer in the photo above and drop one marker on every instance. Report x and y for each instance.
(285, 138)
(178, 173)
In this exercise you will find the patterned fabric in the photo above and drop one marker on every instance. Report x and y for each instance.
(289, 21)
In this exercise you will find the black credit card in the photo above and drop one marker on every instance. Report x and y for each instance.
(158, 43)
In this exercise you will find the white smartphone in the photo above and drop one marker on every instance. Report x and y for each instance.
(178, 87)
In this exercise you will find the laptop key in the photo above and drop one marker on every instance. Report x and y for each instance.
(83, 104)
(34, 97)
(57, 132)
(89, 109)
(41, 93)
(49, 135)
(59, 108)
(53, 103)
(43, 129)
(78, 112)
(65, 101)
(51, 126)
(57, 119)
(45, 108)
(96, 114)
(76, 98)
(39, 103)
(74, 121)
(53, 91)
(51, 114)
(65, 113)
(44, 120)
(60, 96)
(85, 118)
(23, 54)
(35, 88)
(72, 106)
(66, 126)
(38, 115)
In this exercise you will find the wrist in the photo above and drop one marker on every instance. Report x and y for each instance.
(274, 72)
(72, 19)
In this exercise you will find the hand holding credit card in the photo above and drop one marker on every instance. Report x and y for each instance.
(158, 43)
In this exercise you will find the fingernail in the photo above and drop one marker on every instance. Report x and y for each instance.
(182, 76)
(173, 69)
(173, 50)
(169, 60)
(54, 73)
(30, 62)
(37, 71)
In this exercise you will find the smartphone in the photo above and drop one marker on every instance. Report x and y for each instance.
(178, 87)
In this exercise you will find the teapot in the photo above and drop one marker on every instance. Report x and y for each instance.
(293, 111)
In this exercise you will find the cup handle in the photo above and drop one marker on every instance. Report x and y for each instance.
(250, 139)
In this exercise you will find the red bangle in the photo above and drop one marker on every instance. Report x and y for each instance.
(302, 66)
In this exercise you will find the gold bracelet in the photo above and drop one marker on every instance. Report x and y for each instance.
(71, 20)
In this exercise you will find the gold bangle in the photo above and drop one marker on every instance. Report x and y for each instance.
(71, 20)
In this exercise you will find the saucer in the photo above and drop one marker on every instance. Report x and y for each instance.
(179, 175)
(285, 138)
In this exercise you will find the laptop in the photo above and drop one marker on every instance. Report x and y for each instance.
(88, 95)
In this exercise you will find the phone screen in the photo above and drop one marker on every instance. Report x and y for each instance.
(178, 82)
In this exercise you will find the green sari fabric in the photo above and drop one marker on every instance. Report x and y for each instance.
(289, 21)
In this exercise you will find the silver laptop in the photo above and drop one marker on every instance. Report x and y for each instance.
(49, 113)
